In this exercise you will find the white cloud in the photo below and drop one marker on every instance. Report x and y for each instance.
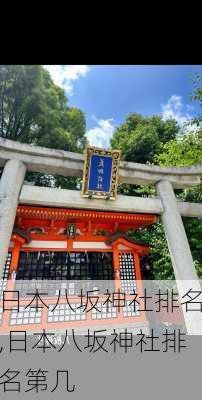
(175, 108)
(101, 134)
(65, 75)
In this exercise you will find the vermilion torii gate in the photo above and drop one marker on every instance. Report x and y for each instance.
(17, 158)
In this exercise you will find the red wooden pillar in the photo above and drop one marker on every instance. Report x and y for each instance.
(18, 242)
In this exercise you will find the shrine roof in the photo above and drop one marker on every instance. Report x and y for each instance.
(61, 214)
(122, 235)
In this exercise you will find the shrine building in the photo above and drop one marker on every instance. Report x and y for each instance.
(72, 245)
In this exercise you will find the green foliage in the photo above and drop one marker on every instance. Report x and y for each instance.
(185, 151)
(140, 137)
(135, 190)
(35, 110)
(58, 181)
(159, 257)
(193, 227)
(20, 99)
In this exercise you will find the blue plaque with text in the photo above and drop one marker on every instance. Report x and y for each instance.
(100, 173)
(100, 176)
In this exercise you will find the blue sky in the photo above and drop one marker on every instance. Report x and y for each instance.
(107, 94)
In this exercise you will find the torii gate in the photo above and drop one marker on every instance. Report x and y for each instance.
(17, 158)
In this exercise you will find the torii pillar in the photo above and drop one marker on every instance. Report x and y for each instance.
(10, 185)
(182, 261)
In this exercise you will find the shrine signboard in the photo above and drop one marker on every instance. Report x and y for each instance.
(100, 177)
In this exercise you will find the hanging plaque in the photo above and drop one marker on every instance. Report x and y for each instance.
(100, 177)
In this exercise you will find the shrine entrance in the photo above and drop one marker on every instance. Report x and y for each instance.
(56, 265)
(74, 249)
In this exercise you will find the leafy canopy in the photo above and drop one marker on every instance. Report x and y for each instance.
(184, 152)
(140, 137)
(35, 110)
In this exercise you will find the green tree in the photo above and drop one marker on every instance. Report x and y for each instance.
(140, 137)
(185, 151)
(20, 100)
(35, 110)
